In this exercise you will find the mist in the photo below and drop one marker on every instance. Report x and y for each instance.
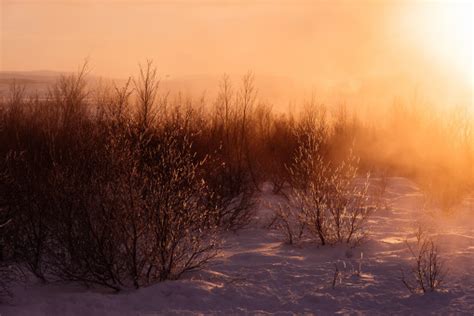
(367, 53)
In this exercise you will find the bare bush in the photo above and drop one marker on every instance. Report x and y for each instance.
(427, 273)
(326, 199)
(69, 96)
(7, 271)
(232, 176)
(445, 191)
(111, 201)
(25, 238)
(137, 216)
(274, 148)
(147, 220)
(346, 269)
(7, 277)
(147, 92)
(287, 220)
(379, 191)
(333, 205)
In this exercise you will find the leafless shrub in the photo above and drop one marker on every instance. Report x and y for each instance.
(125, 212)
(233, 176)
(69, 96)
(334, 207)
(326, 199)
(25, 238)
(287, 220)
(146, 87)
(8, 272)
(427, 273)
(311, 135)
(345, 269)
(444, 191)
(381, 188)
(148, 220)
(109, 200)
(276, 145)
(16, 98)
(6, 278)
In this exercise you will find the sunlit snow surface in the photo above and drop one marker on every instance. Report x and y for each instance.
(258, 274)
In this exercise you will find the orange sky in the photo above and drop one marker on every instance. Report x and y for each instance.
(369, 49)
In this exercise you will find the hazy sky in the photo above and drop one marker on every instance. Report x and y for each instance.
(346, 46)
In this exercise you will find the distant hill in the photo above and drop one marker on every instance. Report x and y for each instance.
(271, 89)
(35, 81)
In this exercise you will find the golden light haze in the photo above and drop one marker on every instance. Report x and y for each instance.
(356, 52)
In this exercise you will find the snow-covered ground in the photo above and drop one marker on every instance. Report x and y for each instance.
(258, 274)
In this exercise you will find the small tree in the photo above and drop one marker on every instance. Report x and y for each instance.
(287, 221)
(333, 205)
(428, 272)
(146, 87)
(142, 215)
(230, 172)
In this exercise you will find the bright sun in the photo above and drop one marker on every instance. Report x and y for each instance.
(443, 31)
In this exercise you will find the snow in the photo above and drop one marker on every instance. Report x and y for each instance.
(257, 273)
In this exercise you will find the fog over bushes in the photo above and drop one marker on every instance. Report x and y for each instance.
(126, 186)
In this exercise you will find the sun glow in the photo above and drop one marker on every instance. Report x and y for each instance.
(443, 33)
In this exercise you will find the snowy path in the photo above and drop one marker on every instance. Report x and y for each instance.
(257, 274)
